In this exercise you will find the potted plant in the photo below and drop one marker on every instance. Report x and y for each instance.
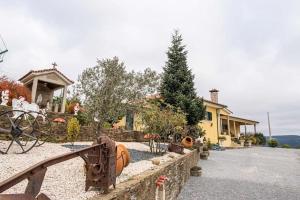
(57, 101)
(242, 140)
(221, 138)
(248, 141)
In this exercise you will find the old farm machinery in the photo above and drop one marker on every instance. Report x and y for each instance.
(20, 130)
(100, 159)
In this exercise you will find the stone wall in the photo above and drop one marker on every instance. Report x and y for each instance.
(144, 186)
(87, 133)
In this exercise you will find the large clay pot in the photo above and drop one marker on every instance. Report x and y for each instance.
(187, 142)
(122, 158)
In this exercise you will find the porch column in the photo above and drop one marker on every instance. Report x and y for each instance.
(221, 125)
(254, 128)
(62, 110)
(33, 90)
(218, 124)
(245, 129)
(234, 129)
(228, 125)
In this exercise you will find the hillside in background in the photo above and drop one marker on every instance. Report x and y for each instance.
(292, 140)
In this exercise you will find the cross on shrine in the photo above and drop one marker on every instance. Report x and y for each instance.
(54, 65)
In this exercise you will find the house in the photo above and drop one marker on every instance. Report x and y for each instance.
(219, 121)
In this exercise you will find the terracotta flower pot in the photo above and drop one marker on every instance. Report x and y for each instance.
(122, 158)
(187, 142)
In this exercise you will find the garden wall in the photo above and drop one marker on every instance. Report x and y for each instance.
(144, 186)
(87, 133)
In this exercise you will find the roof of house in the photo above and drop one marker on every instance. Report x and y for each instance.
(208, 101)
(38, 72)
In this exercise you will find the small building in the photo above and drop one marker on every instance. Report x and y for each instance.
(43, 83)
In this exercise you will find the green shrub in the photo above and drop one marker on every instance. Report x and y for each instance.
(210, 145)
(286, 146)
(195, 131)
(106, 125)
(260, 139)
(272, 143)
(82, 118)
(73, 130)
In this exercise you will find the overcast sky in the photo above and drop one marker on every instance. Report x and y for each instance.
(248, 49)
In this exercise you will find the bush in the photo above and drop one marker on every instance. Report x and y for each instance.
(272, 143)
(82, 117)
(15, 89)
(73, 129)
(195, 131)
(260, 139)
(286, 146)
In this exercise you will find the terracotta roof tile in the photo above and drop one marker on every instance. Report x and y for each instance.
(46, 70)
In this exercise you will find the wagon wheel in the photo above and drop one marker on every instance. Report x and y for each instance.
(17, 132)
(42, 127)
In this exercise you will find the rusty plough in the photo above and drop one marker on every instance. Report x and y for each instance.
(100, 165)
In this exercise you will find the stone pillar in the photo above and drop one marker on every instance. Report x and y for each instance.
(218, 124)
(62, 110)
(234, 129)
(228, 125)
(33, 89)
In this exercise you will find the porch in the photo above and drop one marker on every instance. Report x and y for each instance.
(232, 128)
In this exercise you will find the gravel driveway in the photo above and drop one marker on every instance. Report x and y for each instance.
(254, 173)
(66, 180)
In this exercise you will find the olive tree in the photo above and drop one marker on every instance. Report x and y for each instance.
(108, 90)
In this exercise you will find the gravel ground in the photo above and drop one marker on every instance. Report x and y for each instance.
(66, 180)
(247, 174)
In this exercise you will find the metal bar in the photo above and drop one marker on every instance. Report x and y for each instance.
(2, 52)
(42, 165)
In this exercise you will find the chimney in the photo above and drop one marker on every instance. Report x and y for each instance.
(214, 95)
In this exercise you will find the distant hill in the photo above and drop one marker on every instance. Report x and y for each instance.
(292, 140)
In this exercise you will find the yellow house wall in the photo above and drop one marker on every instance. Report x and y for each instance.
(121, 123)
(210, 127)
(137, 123)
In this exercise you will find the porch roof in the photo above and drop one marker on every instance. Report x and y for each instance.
(241, 120)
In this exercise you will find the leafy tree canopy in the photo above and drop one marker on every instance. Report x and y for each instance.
(109, 90)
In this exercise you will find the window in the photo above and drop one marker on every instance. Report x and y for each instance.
(208, 116)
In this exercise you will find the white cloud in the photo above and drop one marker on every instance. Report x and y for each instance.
(247, 49)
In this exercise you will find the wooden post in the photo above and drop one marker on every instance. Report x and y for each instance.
(245, 129)
(270, 134)
(254, 128)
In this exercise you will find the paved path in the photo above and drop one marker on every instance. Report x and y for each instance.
(247, 174)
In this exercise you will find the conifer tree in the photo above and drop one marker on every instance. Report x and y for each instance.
(177, 87)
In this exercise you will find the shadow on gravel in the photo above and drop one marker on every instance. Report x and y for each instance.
(75, 147)
(137, 155)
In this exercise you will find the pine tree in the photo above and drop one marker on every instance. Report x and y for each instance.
(177, 87)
